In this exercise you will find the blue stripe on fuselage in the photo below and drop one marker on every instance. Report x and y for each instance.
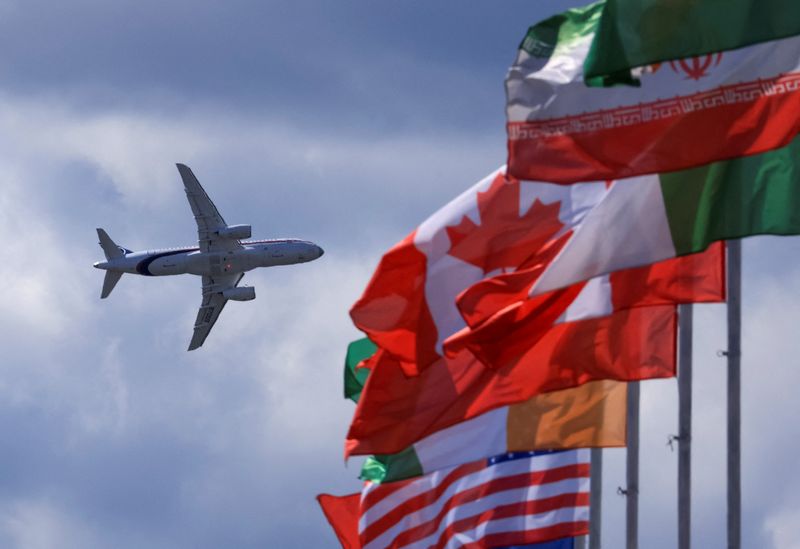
(143, 266)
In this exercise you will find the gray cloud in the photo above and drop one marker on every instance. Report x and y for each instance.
(346, 123)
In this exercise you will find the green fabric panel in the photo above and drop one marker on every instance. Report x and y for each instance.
(389, 468)
(355, 378)
(736, 198)
(561, 30)
(634, 33)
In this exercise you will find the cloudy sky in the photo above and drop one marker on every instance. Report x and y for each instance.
(345, 123)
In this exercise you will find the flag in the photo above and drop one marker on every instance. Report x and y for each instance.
(396, 410)
(650, 218)
(342, 514)
(591, 415)
(413, 304)
(685, 112)
(493, 230)
(667, 29)
(354, 377)
(512, 499)
(503, 339)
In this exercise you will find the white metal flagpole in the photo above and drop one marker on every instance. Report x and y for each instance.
(596, 499)
(685, 321)
(734, 353)
(632, 469)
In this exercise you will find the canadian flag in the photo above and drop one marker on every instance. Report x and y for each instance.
(461, 329)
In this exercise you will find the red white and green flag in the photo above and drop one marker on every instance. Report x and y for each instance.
(685, 112)
(636, 33)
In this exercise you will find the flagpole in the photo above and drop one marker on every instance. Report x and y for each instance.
(685, 321)
(596, 499)
(734, 353)
(632, 468)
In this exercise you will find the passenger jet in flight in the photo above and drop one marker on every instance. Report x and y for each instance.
(221, 258)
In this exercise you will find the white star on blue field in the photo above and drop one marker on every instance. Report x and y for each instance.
(345, 123)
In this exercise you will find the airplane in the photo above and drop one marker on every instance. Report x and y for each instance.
(221, 257)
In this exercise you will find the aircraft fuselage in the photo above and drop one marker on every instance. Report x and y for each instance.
(175, 261)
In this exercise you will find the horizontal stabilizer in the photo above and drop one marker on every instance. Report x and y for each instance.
(111, 250)
(111, 279)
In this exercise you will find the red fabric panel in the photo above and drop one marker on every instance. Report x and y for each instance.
(342, 513)
(393, 311)
(690, 279)
(694, 278)
(484, 299)
(659, 145)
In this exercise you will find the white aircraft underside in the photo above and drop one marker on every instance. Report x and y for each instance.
(221, 258)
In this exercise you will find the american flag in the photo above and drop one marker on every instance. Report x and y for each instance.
(512, 499)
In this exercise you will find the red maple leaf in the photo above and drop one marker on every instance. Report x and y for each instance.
(504, 239)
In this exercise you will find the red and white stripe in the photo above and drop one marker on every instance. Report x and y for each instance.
(480, 504)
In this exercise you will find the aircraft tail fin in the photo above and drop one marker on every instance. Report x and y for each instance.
(111, 279)
(111, 250)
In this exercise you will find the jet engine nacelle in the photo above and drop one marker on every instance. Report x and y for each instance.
(238, 232)
(242, 293)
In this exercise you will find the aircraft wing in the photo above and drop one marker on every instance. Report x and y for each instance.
(212, 305)
(208, 218)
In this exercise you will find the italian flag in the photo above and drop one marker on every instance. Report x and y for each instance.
(650, 218)
(636, 33)
(591, 415)
(685, 112)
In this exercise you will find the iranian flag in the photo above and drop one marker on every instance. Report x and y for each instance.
(636, 33)
(686, 111)
(590, 415)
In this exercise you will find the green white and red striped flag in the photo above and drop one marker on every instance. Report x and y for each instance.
(686, 112)
(637, 33)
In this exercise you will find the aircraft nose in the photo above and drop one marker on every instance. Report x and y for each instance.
(100, 264)
(320, 252)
